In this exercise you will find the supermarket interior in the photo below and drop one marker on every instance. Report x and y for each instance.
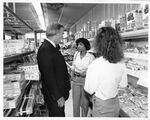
(24, 31)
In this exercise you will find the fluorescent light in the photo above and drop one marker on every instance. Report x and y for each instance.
(42, 22)
(38, 9)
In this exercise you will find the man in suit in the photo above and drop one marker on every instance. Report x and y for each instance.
(54, 73)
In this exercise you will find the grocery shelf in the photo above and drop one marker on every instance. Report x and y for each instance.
(14, 57)
(143, 33)
(136, 56)
(15, 111)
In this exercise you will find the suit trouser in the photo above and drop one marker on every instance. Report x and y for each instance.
(79, 100)
(52, 105)
(105, 108)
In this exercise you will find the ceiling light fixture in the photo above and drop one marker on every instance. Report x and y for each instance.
(38, 9)
(61, 15)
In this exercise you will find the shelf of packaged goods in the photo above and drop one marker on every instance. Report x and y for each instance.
(143, 33)
(136, 56)
(14, 112)
(14, 57)
(141, 75)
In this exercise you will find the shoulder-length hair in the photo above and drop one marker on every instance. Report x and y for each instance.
(108, 44)
(85, 42)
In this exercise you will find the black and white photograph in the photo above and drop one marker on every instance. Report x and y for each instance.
(75, 59)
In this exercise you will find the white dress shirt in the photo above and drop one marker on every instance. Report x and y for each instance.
(51, 42)
(104, 78)
(81, 65)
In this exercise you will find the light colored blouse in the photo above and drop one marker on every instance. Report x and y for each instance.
(81, 65)
(104, 78)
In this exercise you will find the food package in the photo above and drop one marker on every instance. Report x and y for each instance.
(11, 89)
(10, 102)
(133, 105)
(123, 23)
(28, 67)
(32, 76)
(31, 71)
(145, 15)
(14, 76)
(138, 19)
(130, 17)
(12, 47)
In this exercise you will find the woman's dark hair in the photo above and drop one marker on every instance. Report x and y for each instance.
(108, 44)
(85, 42)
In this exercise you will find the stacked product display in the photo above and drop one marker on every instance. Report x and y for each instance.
(139, 50)
(19, 88)
(21, 74)
(13, 85)
(133, 102)
(15, 47)
(31, 71)
(28, 100)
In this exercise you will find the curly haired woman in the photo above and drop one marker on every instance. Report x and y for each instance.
(106, 73)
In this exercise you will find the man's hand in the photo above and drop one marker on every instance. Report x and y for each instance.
(61, 102)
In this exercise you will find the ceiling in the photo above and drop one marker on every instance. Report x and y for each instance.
(20, 19)
(66, 14)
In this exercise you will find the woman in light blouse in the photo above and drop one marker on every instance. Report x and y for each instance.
(106, 73)
(81, 61)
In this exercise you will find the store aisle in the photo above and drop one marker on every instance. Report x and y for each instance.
(69, 106)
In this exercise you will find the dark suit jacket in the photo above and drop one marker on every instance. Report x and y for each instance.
(54, 73)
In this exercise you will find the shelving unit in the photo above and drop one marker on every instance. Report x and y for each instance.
(15, 57)
(17, 26)
(15, 111)
(136, 56)
(143, 33)
(138, 77)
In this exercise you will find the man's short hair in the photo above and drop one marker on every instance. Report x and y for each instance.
(53, 29)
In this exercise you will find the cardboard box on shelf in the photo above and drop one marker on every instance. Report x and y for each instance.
(138, 19)
(10, 103)
(145, 8)
(12, 89)
(14, 76)
(130, 18)
(31, 71)
(123, 23)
